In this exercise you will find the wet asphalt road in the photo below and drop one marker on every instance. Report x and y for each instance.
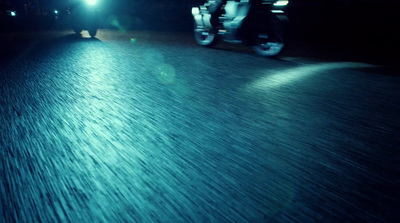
(149, 127)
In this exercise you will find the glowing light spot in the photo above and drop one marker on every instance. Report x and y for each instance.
(277, 11)
(91, 2)
(195, 11)
(115, 23)
(281, 3)
(166, 73)
(133, 40)
(123, 23)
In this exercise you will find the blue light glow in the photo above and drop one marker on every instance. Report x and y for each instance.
(91, 2)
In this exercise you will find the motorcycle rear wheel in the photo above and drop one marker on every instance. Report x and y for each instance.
(204, 37)
(77, 27)
(77, 30)
(271, 44)
(92, 32)
(267, 47)
(76, 23)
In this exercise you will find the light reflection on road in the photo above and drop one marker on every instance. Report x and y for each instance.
(290, 76)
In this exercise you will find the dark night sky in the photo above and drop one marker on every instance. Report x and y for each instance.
(194, 2)
(127, 5)
(355, 9)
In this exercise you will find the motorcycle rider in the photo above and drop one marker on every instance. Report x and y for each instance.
(216, 10)
(249, 24)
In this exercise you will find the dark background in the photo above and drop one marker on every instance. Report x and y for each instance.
(359, 26)
(356, 20)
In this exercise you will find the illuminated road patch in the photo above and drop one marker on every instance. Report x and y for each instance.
(292, 75)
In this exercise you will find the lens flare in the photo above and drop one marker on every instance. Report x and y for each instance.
(115, 23)
(91, 2)
(166, 73)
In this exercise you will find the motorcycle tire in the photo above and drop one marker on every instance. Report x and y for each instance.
(271, 44)
(204, 37)
(76, 24)
(269, 49)
(77, 27)
(77, 30)
(92, 32)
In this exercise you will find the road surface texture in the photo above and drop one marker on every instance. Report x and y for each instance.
(149, 127)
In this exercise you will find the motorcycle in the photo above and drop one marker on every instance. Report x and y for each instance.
(256, 25)
(85, 15)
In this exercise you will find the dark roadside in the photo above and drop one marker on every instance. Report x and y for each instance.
(343, 38)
